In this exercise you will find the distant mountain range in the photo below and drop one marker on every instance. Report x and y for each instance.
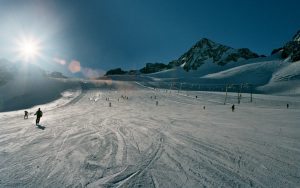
(24, 85)
(207, 51)
(9, 70)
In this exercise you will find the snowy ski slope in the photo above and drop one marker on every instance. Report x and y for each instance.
(135, 143)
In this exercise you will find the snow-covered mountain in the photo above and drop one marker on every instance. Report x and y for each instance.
(258, 73)
(272, 76)
(291, 50)
(207, 51)
(277, 73)
(268, 74)
(23, 85)
(297, 36)
(203, 52)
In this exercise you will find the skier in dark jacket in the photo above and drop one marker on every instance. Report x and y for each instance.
(232, 107)
(26, 115)
(38, 114)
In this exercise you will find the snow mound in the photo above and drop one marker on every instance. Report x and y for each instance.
(289, 72)
(257, 73)
(286, 81)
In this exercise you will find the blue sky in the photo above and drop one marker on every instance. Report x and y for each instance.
(105, 34)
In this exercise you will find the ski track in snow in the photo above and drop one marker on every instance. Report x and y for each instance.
(135, 143)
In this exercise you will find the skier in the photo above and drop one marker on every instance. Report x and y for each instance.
(25, 115)
(287, 105)
(232, 107)
(38, 114)
(203, 107)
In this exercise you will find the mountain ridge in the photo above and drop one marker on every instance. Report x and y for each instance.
(200, 53)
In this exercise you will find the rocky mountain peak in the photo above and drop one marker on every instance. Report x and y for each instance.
(291, 49)
(206, 50)
(203, 43)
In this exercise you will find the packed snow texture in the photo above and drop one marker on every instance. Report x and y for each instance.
(136, 143)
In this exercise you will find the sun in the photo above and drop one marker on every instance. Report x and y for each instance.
(28, 49)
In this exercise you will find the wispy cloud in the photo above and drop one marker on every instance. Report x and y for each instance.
(59, 61)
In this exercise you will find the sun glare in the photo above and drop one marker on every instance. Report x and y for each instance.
(29, 49)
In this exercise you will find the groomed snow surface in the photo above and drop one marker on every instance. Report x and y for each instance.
(135, 143)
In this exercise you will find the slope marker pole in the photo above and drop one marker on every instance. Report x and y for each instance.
(225, 95)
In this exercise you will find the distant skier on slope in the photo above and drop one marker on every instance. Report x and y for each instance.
(38, 114)
(25, 114)
(232, 107)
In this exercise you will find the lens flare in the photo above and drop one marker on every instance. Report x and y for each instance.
(28, 49)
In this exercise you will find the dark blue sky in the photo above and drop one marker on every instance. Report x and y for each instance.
(129, 33)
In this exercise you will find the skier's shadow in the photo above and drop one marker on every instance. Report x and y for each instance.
(40, 126)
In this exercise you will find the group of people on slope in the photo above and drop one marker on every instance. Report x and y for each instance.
(38, 115)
